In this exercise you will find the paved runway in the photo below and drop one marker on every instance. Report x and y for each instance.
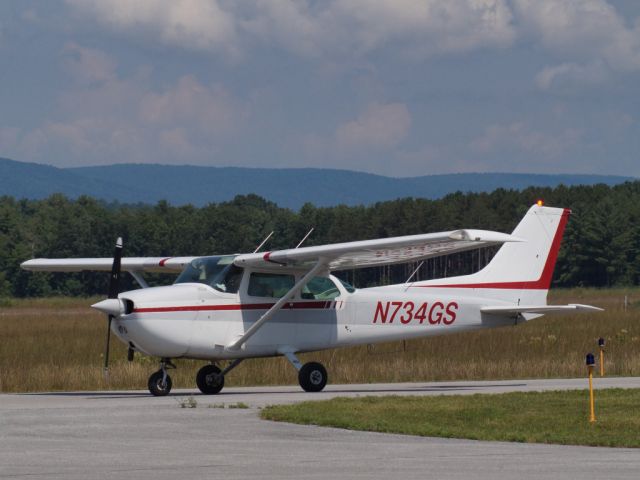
(87, 435)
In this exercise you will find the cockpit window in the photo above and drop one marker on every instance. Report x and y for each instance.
(213, 271)
(229, 279)
(320, 288)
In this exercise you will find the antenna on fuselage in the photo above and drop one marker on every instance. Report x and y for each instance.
(263, 242)
(305, 237)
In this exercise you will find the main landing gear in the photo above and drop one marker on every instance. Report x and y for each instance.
(210, 380)
(312, 376)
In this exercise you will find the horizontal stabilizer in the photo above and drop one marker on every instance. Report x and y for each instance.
(540, 309)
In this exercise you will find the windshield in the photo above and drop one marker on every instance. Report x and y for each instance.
(347, 286)
(205, 270)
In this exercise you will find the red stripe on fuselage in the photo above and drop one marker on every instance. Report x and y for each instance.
(242, 306)
(542, 283)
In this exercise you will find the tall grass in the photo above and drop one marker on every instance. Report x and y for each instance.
(57, 344)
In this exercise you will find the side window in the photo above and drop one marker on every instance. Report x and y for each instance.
(320, 288)
(270, 284)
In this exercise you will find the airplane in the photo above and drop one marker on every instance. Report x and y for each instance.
(228, 308)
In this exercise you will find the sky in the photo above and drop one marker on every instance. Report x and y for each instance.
(392, 87)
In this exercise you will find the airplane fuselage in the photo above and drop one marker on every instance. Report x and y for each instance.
(192, 320)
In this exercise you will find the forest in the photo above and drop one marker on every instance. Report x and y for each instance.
(601, 247)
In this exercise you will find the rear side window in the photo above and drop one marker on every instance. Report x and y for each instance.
(271, 285)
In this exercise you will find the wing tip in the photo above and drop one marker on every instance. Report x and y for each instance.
(580, 306)
(483, 236)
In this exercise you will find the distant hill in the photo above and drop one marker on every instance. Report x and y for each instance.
(290, 187)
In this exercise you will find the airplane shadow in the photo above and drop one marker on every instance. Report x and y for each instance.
(90, 395)
(346, 389)
(426, 388)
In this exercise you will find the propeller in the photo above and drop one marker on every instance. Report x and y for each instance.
(112, 306)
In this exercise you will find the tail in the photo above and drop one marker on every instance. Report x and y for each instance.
(520, 272)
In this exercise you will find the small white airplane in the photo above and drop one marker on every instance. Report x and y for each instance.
(284, 302)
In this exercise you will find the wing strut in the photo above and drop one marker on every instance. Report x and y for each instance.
(321, 264)
(139, 278)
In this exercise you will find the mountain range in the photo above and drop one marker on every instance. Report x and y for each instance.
(288, 187)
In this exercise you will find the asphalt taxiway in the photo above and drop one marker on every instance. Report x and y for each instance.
(129, 434)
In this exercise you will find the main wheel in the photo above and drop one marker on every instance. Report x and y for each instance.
(157, 387)
(312, 377)
(209, 380)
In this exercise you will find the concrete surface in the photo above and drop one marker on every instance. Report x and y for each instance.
(91, 435)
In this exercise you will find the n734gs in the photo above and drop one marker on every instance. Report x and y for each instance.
(234, 307)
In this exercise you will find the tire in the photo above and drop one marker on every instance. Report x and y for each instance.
(155, 385)
(312, 377)
(209, 380)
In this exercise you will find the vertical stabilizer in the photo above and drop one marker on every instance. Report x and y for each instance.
(520, 272)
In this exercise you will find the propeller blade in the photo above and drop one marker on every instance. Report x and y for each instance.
(114, 289)
(106, 349)
(114, 282)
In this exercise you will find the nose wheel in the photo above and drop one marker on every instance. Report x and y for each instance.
(160, 382)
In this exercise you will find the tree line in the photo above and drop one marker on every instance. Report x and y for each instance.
(601, 246)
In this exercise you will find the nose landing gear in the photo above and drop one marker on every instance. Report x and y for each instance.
(160, 382)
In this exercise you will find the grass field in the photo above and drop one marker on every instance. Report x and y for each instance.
(57, 344)
(548, 417)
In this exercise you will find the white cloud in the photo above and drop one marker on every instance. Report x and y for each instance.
(368, 143)
(289, 24)
(570, 74)
(88, 65)
(379, 126)
(194, 24)
(105, 118)
(518, 137)
(209, 109)
(589, 37)
(430, 26)
(309, 28)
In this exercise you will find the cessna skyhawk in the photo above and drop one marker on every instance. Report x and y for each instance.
(281, 303)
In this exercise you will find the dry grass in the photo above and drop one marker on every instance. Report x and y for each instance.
(56, 344)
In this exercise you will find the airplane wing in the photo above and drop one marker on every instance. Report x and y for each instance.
(129, 264)
(510, 311)
(369, 253)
